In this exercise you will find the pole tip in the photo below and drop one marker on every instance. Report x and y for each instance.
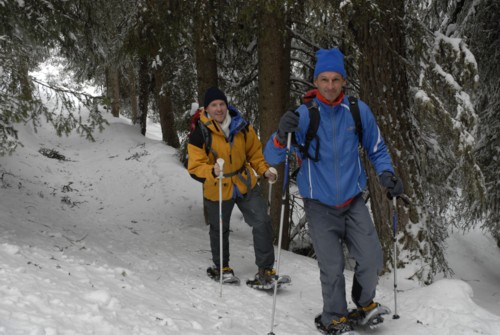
(395, 316)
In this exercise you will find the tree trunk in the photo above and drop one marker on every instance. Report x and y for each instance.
(385, 88)
(273, 77)
(25, 81)
(164, 103)
(205, 46)
(114, 90)
(144, 87)
(132, 78)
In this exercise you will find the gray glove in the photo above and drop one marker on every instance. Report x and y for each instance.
(392, 183)
(289, 123)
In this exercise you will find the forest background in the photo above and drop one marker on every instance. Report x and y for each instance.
(428, 69)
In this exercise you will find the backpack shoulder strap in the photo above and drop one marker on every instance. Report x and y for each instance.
(207, 138)
(354, 107)
(314, 119)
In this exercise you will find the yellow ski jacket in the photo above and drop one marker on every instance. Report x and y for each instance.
(241, 151)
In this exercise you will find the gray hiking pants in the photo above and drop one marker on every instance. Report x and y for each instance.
(254, 210)
(329, 227)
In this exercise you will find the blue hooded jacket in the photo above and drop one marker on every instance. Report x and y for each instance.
(339, 174)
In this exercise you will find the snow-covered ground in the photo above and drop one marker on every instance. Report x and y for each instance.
(112, 241)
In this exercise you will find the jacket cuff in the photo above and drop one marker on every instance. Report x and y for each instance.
(277, 143)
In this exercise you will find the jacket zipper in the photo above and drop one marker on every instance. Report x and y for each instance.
(335, 154)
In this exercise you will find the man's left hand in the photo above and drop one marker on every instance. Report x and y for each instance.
(393, 183)
(271, 174)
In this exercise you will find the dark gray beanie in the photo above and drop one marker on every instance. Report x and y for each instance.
(213, 93)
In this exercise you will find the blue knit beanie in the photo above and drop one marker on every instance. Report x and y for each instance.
(331, 60)
(213, 93)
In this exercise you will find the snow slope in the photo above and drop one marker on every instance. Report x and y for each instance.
(112, 241)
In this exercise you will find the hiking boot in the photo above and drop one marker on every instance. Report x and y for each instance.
(264, 279)
(360, 312)
(336, 327)
(227, 273)
(265, 276)
(370, 314)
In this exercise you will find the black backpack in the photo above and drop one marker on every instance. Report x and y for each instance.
(194, 122)
(314, 124)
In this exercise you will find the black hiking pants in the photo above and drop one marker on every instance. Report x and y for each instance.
(254, 210)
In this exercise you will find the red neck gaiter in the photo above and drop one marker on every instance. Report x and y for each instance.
(331, 103)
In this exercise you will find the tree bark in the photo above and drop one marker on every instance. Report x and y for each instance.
(164, 103)
(114, 87)
(205, 47)
(24, 80)
(132, 78)
(273, 77)
(144, 90)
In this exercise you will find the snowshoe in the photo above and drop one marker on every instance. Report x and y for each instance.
(228, 276)
(371, 315)
(266, 279)
(336, 327)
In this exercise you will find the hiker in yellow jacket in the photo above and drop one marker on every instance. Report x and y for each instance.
(223, 133)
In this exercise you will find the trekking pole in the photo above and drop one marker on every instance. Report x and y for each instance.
(394, 232)
(282, 217)
(220, 161)
(269, 196)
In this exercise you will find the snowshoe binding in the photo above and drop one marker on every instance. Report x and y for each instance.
(228, 276)
(266, 279)
(371, 315)
(341, 326)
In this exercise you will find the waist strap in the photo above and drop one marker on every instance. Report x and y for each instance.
(234, 173)
(246, 181)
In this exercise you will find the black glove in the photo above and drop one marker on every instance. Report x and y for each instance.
(392, 183)
(289, 123)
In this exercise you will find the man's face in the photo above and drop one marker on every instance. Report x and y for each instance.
(330, 85)
(217, 110)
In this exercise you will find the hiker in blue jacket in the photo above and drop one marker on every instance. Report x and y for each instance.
(331, 187)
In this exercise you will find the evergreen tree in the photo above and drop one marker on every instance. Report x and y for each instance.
(29, 31)
(444, 85)
(479, 23)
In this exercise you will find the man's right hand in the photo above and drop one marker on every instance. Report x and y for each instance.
(216, 170)
(289, 123)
